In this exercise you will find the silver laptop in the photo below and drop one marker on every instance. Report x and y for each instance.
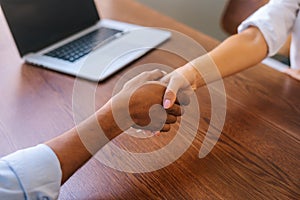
(68, 36)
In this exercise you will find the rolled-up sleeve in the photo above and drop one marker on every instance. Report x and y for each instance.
(275, 20)
(32, 173)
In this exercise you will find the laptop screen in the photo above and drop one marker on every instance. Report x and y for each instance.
(36, 24)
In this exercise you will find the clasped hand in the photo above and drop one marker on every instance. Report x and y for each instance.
(141, 98)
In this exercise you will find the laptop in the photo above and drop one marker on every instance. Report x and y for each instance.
(68, 36)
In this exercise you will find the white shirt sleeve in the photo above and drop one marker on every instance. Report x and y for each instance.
(32, 173)
(275, 20)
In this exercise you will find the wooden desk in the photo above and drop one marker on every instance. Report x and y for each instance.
(257, 156)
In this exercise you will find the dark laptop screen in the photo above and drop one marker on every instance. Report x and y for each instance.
(36, 24)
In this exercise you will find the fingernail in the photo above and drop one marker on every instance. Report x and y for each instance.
(167, 104)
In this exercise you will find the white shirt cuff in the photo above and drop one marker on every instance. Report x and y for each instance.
(38, 171)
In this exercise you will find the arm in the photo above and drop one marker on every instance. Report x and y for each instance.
(274, 23)
(235, 54)
(70, 150)
(39, 171)
(76, 146)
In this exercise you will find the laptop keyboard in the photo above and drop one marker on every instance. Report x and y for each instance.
(80, 47)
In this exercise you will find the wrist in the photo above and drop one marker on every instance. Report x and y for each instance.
(107, 121)
(193, 75)
(204, 69)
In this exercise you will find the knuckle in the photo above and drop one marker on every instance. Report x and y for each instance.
(172, 119)
(166, 128)
(169, 93)
(174, 110)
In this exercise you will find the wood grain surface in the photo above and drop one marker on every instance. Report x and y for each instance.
(256, 157)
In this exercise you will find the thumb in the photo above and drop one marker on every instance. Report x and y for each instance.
(170, 93)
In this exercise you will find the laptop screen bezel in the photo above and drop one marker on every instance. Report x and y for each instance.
(29, 44)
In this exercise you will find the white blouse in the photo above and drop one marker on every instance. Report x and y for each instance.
(276, 20)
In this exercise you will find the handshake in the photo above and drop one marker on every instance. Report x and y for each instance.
(142, 103)
(151, 101)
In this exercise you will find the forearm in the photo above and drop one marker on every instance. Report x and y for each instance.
(235, 54)
(70, 152)
(130, 106)
(76, 146)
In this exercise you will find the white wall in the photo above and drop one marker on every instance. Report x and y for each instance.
(203, 15)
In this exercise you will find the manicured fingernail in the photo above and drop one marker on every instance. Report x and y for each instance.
(167, 104)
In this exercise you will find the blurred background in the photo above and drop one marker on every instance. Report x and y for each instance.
(203, 15)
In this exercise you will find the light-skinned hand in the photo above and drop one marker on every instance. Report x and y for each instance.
(181, 81)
